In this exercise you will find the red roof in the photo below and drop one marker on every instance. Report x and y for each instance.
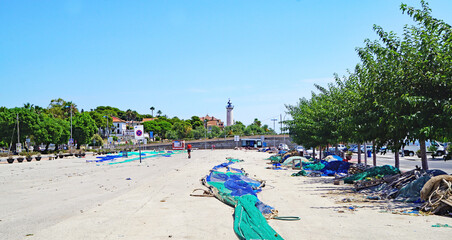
(148, 119)
(115, 119)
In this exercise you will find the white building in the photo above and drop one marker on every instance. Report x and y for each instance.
(120, 127)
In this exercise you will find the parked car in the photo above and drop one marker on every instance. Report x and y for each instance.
(368, 148)
(413, 147)
(340, 147)
(299, 149)
(283, 146)
(353, 149)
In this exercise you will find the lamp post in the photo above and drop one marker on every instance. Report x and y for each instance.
(205, 141)
(107, 132)
(284, 121)
(106, 129)
(274, 138)
(72, 140)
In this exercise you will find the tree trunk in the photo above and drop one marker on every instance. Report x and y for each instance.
(374, 156)
(313, 152)
(320, 152)
(423, 154)
(396, 158)
(359, 153)
(365, 154)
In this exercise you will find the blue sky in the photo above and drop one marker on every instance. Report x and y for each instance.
(185, 58)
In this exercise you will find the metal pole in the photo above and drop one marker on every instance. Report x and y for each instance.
(139, 148)
(18, 136)
(72, 140)
(280, 122)
(205, 141)
(274, 138)
(284, 134)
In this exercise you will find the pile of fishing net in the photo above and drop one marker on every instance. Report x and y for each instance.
(403, 187)
(375, 172)
(289, 161)
(437, 194)
(357, 168)
(233, 187)
(333, 157)
(335, 167)
(323, 168)
(275, 158)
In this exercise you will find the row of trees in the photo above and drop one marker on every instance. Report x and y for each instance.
(400, 92)
(194, 128)
(52, 125)
(42, 127)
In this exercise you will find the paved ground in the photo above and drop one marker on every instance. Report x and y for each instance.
(408, 163)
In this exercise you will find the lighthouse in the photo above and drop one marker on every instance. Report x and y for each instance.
(229, 115)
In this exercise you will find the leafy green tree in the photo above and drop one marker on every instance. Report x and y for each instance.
(96, 140)
(215, 131)
(101, 120)
(199, 132)
(165, 126)
(172, 134)
(51, 130)
(183, 130)
(257, 122)
(112, 111)
(59, 108)
(131, 115)
(7, 125)
(195, 121)
(152, 126)
(413, 79)
(84, 128)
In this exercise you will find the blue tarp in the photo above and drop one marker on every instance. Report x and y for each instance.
(334, 167)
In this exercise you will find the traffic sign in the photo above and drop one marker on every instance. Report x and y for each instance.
(139, 132)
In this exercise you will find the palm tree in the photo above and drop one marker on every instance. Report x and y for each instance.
(159, 113)
(152, 111)
(129, 114)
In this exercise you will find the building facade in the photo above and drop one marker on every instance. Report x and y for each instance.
(210, 121)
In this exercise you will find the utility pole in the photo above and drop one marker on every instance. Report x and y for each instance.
(107, 132)
(280, 121)
(72, 140)
(284, 132)
(18, 136)
(274, 138)
(205, 141)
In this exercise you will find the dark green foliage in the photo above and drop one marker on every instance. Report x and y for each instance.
(83, 127)
(400, 92)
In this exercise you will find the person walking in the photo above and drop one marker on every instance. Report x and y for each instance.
(189, 150)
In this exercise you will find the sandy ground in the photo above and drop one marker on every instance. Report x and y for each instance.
(73, 199)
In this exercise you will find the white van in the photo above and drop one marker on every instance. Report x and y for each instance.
(412, 147)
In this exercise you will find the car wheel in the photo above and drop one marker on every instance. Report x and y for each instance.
(439, 153)
(411, 154)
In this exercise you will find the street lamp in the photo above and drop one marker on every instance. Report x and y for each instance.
(274, 138)
(205, 141)
(71, 140)
(106, 129)
(284, 121)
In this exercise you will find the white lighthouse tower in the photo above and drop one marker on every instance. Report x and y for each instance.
(229, 115)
